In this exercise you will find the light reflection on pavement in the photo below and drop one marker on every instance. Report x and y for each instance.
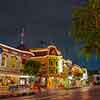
(87, 93)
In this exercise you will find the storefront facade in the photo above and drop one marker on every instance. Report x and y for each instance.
(11, 65)
(54, 71)
(52, 62)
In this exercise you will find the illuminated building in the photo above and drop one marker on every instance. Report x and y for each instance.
(55, 71)
(11, 62)
(52, 62)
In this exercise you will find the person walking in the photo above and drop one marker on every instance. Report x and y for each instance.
(37, 88)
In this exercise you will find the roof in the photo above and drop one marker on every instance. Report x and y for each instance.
(14, 49)
(50, 50)
(35, 52)
(38, 49)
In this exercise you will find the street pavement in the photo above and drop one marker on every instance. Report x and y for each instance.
(87, 93)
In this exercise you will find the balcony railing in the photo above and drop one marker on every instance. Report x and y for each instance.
(10, 70)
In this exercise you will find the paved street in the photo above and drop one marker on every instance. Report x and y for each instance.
(90, 93)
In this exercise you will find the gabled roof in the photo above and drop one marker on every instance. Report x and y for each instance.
(14, 49)
(35, 52)
(38, 49)
(50, 50)
(55, 48)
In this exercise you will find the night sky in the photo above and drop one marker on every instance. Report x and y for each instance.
(48, 20)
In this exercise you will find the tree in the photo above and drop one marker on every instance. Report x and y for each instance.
(32, 67)
(85, 27)
(76, 71)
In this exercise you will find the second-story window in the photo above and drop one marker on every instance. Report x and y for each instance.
(4, 60)
(13, 61)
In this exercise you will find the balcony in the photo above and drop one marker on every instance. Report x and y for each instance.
(10, 70)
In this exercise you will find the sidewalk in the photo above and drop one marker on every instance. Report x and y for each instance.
(19, 92)
(28, 92)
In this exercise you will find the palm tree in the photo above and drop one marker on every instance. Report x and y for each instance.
(86, 27)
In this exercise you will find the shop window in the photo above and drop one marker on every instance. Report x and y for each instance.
(12, 82)
(98, 78)
(22, 81)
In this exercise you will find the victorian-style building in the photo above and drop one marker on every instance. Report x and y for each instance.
(54, 71)
(12, 60)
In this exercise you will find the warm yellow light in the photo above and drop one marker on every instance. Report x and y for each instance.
(60, 65)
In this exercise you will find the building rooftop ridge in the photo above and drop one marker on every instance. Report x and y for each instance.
(17, 50)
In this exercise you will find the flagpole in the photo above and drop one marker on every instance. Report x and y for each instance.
(22, 36)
